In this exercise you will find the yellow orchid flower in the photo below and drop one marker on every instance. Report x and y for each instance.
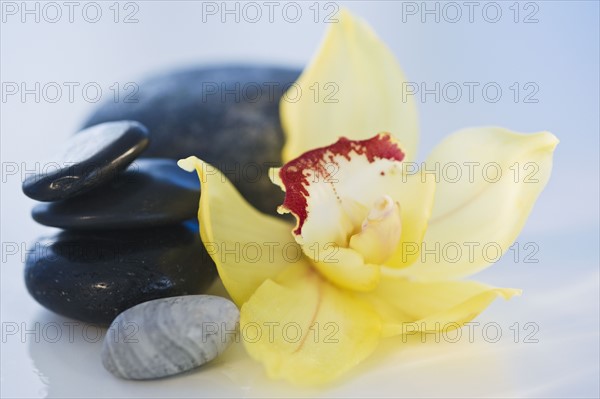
(317, 297)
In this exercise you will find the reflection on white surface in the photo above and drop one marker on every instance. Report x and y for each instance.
(563, 363)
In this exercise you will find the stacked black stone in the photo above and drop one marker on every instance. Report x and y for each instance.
(128, 238)
(129, 235)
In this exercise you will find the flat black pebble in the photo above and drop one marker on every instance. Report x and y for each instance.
(89, 160)
(226, 115)
(94, 276)
(151, 192)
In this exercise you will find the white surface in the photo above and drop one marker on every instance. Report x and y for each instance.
(561, 292)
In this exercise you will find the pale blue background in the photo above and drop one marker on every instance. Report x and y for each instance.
(560, 53)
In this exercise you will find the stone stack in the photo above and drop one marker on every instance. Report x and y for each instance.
(129, 235)
(130, 244)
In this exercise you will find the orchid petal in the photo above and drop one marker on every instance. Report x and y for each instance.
(415, 194)
(247, 246)
(352, 88)
(481, 214)
(305, 330)
(407, 307)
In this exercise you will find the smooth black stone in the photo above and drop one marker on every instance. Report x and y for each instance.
(90, 160)
(225, 115)
(93, 276)
(151, 192)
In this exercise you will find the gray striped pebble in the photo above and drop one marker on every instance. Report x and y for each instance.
(168, 336)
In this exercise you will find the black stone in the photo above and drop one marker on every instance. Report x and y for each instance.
(227, 115)
(93, 276)
(151, 192)
(91, 159)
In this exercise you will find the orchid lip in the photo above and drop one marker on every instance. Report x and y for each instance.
(321, 165)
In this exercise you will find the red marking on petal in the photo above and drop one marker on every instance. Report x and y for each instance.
(294, 178)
